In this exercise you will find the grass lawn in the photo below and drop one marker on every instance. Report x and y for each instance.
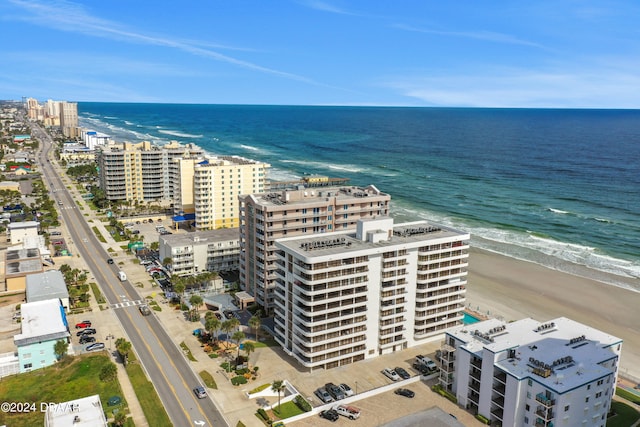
(627, 395)
(208, 380)
(77, 378)
(625, 415)
(286, 410)
(187, 352)
(149, 401)
(268, 342)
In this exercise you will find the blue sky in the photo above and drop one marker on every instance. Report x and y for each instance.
(466, 53)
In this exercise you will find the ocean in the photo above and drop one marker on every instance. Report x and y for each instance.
(557, 187)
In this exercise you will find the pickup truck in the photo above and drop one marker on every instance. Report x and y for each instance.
(347, 411)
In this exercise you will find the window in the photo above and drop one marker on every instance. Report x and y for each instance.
(529, 382)
(527, 408)
(586, 399)
(27, 356)
(526, 420)
(566, 408)
(598, 395)
(28, 365)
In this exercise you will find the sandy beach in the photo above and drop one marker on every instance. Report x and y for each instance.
(507, 288)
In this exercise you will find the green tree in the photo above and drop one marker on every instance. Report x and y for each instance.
(211, 324)
(255, 323)
(124, 347)
(178, 286)
(196, 301)
(238, 336)
(60, 348)
(109, 372)
(278, 386)
(249, 348)
(119, 419)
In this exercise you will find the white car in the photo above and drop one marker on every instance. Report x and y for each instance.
(391, 374)
(346, 389)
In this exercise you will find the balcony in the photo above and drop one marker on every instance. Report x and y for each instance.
(547, 401)
(545, 413)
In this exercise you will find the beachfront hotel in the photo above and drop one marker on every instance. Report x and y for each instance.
(530, 373)
(353, 295)
(308, 211)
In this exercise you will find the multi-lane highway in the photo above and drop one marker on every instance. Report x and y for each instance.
(165, 364)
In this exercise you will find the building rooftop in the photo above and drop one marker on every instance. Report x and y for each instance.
(560, 354)
(348, 241)
(201, 237)
(24, 224)
(42, 321)
(86, 411)
(47, 285)
(313, 195)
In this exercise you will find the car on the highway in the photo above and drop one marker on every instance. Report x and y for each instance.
(88, 331)
(329, 414)
(95, 346)
(391, 374)
(404, 392)
(84, 324)
(200, 392)
(145, 310)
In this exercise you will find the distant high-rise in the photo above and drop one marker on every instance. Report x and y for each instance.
(69, 119)
(270, 216)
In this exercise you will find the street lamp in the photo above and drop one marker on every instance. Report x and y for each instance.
(356, 387)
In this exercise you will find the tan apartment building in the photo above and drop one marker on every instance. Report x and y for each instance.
(266, 217)
(69, 119)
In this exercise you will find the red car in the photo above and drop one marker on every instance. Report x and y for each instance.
(83, 324)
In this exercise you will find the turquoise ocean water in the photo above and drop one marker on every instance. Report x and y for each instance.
(557, 187)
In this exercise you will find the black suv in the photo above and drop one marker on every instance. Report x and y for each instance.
(85, 339)
(88, 331)
(330, 415)
(335, 391)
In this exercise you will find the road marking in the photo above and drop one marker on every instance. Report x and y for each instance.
(127, 304)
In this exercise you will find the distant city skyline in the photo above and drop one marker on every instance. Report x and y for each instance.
(559, 54)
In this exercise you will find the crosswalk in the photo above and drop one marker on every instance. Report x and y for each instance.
(125, 304)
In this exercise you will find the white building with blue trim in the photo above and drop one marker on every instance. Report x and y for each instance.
(43, 324)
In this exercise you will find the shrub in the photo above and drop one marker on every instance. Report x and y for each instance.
(302, 403)
(238, 380)
(483, 419)
(263, 414)
(241, 371)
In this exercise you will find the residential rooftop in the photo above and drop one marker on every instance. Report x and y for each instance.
(560, 354)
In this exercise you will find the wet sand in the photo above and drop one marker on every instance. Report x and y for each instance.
(507, 288)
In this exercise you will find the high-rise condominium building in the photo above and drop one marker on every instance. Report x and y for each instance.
(270, 216)
(528, 373)
(141, 172)
(217, 183)
(69, 119)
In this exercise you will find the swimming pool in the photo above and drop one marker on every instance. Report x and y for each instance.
(469, 319)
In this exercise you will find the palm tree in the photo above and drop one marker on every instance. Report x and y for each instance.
(226, 327)
(124, 347)
(196, 301)
(255, 324)
(211, 324)
(119, 419)
(249, 348)
(238, 336)
(235, 323)
(278, 386)
(178, 286)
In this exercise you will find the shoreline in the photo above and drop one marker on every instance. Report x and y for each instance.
(511, 289)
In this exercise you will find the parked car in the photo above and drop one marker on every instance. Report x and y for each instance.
(350, 412)
(83, 324)
(346, 389)
(391, 374)
(421, 368)
(86, 339)
(402, 373)
(329, 414)
(335, 391)
(95, 346)
(404, 392)
(110, 261)
(88, 331)
(426, 361)
(323, 395)
(200, 392)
